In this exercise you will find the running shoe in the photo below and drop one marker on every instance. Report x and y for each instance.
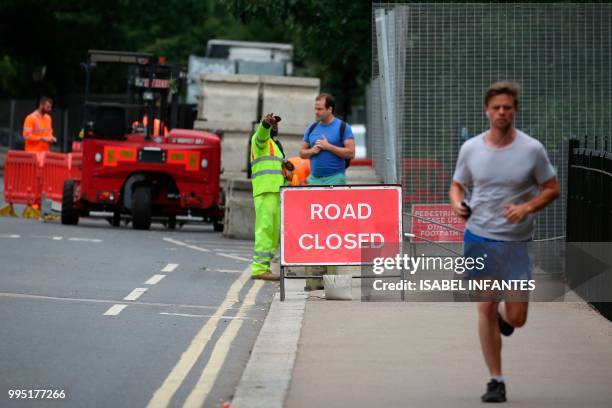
(496, 392)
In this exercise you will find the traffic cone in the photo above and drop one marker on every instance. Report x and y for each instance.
(7, 211)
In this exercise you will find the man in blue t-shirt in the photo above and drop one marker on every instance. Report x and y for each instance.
(326, 146)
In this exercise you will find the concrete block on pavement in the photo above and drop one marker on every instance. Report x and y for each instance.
(239, 221)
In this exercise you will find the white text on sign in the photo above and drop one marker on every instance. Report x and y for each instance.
(360, 211)
(333, 212)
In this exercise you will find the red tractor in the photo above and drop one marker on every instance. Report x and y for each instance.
(138, 169)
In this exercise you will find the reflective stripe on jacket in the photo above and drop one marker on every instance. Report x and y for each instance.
(157, 126)
(35, 127)
(266, 163)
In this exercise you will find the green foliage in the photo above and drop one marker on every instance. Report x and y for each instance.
(8, 73)
(331, 39)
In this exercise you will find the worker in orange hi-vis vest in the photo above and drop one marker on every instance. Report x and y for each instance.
(301, 171)
(37, 127)
(159, 128)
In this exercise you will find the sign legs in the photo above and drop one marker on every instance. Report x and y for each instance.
(282, 283)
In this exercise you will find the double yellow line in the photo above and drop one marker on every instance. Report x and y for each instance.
(164, 394)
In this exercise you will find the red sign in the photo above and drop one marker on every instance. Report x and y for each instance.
(155, 83)
(442, 216)
(332, 225)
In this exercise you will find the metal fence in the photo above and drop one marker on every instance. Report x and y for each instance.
(439, 59)
(589, 222)
(385, 96)
(12, 116)
(67, 119)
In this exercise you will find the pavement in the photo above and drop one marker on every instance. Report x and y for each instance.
(425, 354)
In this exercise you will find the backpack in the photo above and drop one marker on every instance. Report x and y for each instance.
(347, 162)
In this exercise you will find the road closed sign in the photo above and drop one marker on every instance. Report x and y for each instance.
(333, 225)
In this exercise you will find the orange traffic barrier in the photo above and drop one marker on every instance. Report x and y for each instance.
(22, 173)
(54, 170)
(28, 175)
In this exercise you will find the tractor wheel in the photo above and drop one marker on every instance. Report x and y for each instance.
(218, 226)
(116, 220)
(70, 215)
(172, 222)
(141, 208)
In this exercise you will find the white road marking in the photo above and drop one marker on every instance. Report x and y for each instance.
(57, 238)
(233, 247)
(135, 294)
(169, 268)
(227, 270)
(218, 242)
(104, 301)
(10, 236)
(174, 241)
(206, 316)
(242, 254)
(234, 251)
(84, 239)
(205, 269)
(114, 310)
(219, 353)
(155, 279)
(240, 258)
(163, 395)
(197, 248)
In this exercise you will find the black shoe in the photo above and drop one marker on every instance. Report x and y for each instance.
(504, 327)
(496, 392)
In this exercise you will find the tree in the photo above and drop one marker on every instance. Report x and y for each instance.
(332, 40)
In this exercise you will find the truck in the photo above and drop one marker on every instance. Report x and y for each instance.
(135, 164)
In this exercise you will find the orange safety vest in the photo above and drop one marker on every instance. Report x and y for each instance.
(157, 125)
(35, 127)
(301, 172)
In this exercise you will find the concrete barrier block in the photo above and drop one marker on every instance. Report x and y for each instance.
(234, 144)
(229, 104)
(229, 98)
(239, 221)
(292, 98)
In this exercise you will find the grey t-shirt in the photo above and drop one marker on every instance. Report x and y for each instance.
(500, 176)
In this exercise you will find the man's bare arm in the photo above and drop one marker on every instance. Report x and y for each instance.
(550, 191)
(346, 152)
(456, 194)
(306, 152)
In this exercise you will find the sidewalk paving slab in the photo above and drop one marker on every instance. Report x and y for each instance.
(356, 354)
